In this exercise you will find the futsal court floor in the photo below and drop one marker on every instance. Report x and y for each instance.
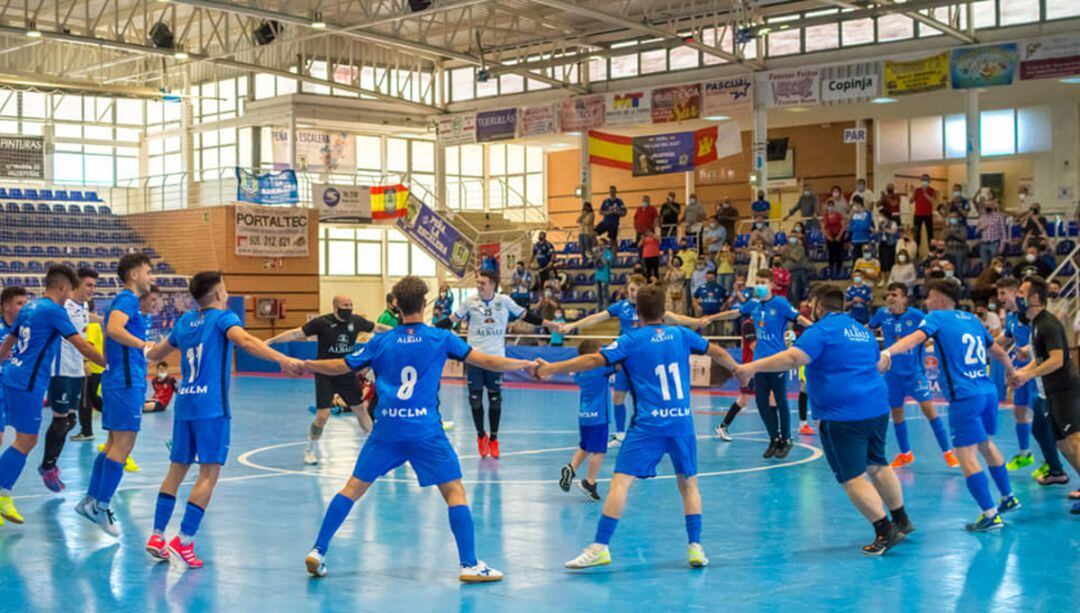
(780, 534)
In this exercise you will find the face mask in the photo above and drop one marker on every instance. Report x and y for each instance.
(868, 256)
(558, 315)
(760, 291)
(162, 375)
(858, 280)
(693, 201)
(1030, 257)
(953, 221)
(992, 306)
(1023, 197)
(860, 186)
(758, 226)
(949, 274)
(701, 266)
(1053, 295)
(344, 313)
(999, 269)
(902, 259)
(956, 194)
(777, 264)
(806, 192)
(798, 229)
(794, 241)
(926, 184)
(547, 293)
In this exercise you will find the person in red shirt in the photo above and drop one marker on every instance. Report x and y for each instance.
(645, 217)
(833, 226)
(650, 253)
(164, 388)
(781, 278)
(924, 197)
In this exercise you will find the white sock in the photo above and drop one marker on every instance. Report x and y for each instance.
(185, 540)
(5, 493)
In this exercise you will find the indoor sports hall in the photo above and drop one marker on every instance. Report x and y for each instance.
(539, 305)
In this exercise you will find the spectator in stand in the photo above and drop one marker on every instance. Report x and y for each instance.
(837, 196)
(759, 259)
(1046, 256)
(1031, 265)
(860, 299)
(956, 245)
(727, 216)
(798, 264)
(988, 316)
(936, 254)
(984, 289)
(725, 268)
(904, 269)
(543, 255)
(445, 299)
(868, 267)
(1034, 225)
(781, 278)
(670, 212)
(833, 227)
(521, 284)
(549, 304)
(924, 197)
(561, 280)
(699, 276)
(709, 299)
(889, 204)
(958, 203)
(645, 219)
(808, 207)
(436, 315)
(869, 201)
(602, 262)
(689, 257)
(1058, 305)
(586, 232)
(905, 243)
(557, 338)
(675, 285)
(992, 232)
(612, 210)
(762, 208)
(713, 237)
(860, 225)
(650, 255)
(693, 216)
(763, 234)
(949, 269)
(888, 237)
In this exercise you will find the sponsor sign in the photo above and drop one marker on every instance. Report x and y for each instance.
(22, 157)
(267, 188)
(850, 83)
(983, 66)
(628, 107)
(727, 96)
(496, 125)
(582, 113)
(435, 235)
(280, 232)
(457, 129)
(537, 120)
(677, 103)
(854, 135)
(916, 76)
(315, 150)
(1050, 58)
(794, 87)
(342, 202)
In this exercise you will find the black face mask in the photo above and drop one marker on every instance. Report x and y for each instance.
(344, 314)
(937, 274)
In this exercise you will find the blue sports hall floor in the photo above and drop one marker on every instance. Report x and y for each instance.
(779, 533)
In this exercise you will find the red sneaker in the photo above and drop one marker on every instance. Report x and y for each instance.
(157, 548)
(494, 448)
(483, 445)
(185, 552)
(950, 459)
(806, 430)
(903, 459)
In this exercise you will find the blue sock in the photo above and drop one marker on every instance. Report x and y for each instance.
(461, 525)
(1023, 436)
(605, 529)
(111, 474)
(620, 417)
(1000, 475)
(693, 528)
(12, 462)
(193, 515)
(940, 434)
(95, 477)
(902, 436)
(336, 513)
(163, 511)
(979, 486)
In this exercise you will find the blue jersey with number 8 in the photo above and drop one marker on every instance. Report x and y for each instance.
(961, 343)
(205, 363)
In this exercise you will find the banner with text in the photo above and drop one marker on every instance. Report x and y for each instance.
(496, 125)
(793, 87)
(1050, 58)
(342, 202)
(279, 232)
(436, 236)
(850, 83)
(727, 96)
(537, 120)
(457, 129)
(683, 151)
(22, 157)
(628, 107)
(983, 66)
(315, 150)
(580, 114)
(267, 188)
(677, 103)
(916, 76)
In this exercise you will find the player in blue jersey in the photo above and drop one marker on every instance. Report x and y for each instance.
(12, 299)
(961, 344)
(771, 316)
(626, 312)
(408, 364)
(849, 397)
(907, 377)
(656, 358)
(594, 410)
(204, 336)
(32, 344)
(123, 387)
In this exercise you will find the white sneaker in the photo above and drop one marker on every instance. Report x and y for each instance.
(593, 555)
(84, 507)
(105, 520)
(447, 425)
(316, 567)
(722, 433)
(695, 554)
(481, 573)
(311, 453)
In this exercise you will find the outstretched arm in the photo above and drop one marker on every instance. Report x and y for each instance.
(788, 359)
(684, 320)
(258, 348)
(722, 357)
(288, 336)
(588, 361)
(336, 366)
(497, 364)
(724, 315)
(591, 320)
(86, 349)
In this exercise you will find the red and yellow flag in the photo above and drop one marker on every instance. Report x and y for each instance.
(611, 150)
(389, 201)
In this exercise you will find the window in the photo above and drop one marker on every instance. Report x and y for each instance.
(1001, 132)
(654, 61)
(1062, 9)
(955, 136)
(997, 132)
(819, 38)
(349, 252)
(1015, 12)
(784, 42)
(926, 137)
(895, 27)
(683, 58)
(857, 32)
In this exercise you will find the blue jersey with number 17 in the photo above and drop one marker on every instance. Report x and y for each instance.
(657, 363)
(205, 363)
(408, 363)
(961, 343)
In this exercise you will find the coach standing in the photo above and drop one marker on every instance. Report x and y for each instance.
(1055, 368)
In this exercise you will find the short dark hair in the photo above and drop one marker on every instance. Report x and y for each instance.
(1039, 287)
(1007, 283)
(58, 273)
(830, 297)
(588, 346)
(949, 288)
(153, 289)
(410, 293)
(764, 273)
(130, 262)
(490, 276)
(160, 364)
(651, 302)
(897, 285)
(86, 273)
(711, 271)
(637, 280)
(11, 292)
(202, 284)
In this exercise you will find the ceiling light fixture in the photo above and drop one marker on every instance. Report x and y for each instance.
(31, 30)
(883, 100)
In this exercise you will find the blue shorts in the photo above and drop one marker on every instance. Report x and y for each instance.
(122, 408)
(915, 387)
(622, 383)
(1024, 396)
(433, 459)
(205, 441)
(642, 451)
(23, 409)
(594, 438)
(851, 446)
(479, 379)
(973, 420)
(65, 393)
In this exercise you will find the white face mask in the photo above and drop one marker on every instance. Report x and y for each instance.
(1030, 257)
(860, 186)
(858, 280)
(162, 375)
(902, 259)
(1023, 197)
(926, 184)
(693, 201)
(806, 192)
(956, 194)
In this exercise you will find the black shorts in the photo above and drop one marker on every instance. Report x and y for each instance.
(1064, 410)
(346, 386)
(851, 446)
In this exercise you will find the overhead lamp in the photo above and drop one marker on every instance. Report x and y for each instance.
(1071, 80)
(573, 133)
(31, 29)
(317, 23)
(764, 31)
(883, 100)
(180, 54)
(717, 118)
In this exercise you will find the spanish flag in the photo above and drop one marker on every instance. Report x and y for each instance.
(389, 201)
(611, 150)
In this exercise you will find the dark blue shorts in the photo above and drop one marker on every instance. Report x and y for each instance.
(22, 410)
(432, 457)
(973, 420)
(479, 379)
(594, 438)
(915, 387)
(122, 408)
(65, 393)
(642, 451)
(851, 446)
(205, 441)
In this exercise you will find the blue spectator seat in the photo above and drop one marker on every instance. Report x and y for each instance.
(3, 192)
(37, 251)
(61, 195)
(90, 209)
(28, 208)
(46, 194)
(1065, 247)
(4, 249)
(627, 244)
(104, 210)
(59, 209)
(34, 266)
(44, 208)
(15, 193)
(75, 196)
(669, 243)
(73, 209)
(92, 197)
(32, 194)
(570, 248)
(4, 266)
(12, 207)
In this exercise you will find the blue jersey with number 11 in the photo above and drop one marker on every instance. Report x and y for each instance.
(961, 343)
(205, 363)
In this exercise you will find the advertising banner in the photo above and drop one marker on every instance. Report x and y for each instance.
(663, 153)
(457, 129)
(315, 150)
(628, 107)
(268, 188)
(580, 114)
(983, 66)
(279, 232)
(22, 157)
(436, 236)
(850, 83)
(727, 96)
(496, 125)
(1050, 58)
(794, 87)
(677, 103)
(916, 76)
(342, 202)
(537, 120)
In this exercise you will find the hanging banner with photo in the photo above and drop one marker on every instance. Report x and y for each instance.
(457, 129)
(850, 83)
(496, 125)
(389, 201)
(683, 151)
(727, 96)
(916, 76)
(677, 103)
(22, 157)
(628, 107)
(277, 232)
(1050, 58)
(537, 120)
(435, 235)
(793, 88)
(983, 66)
(267, 188)
(582, 113)
(316, 151)
(342, 202)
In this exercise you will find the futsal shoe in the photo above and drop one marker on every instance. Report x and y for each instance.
(593, 555)
(493, 448)
(566, 478)
(905, 527)
(311, 453)
(185, 552)
(157, 548)
(695, 555)
(589, 489)
(770, 451)
(1020, 460)
(950, 459)
(1074, 495)
(903, 459)
(1041, 471)
(615, 440)
(81, 437)
(1075, 510)
(722, 433)
(51, 478)
(784, 449)
(104, 518)
(1008, 504)
(882, 544)
(8, 510)
(1053, 478)
(986, 524)
(483, 445)
(480, 573)
(85, 507)
(806, 430)
(316, 567)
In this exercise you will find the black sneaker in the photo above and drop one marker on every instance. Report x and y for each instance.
(589, 489)
(774, 446)
(784, 449)
(567, 478)
(883, 544)
(905, 527)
